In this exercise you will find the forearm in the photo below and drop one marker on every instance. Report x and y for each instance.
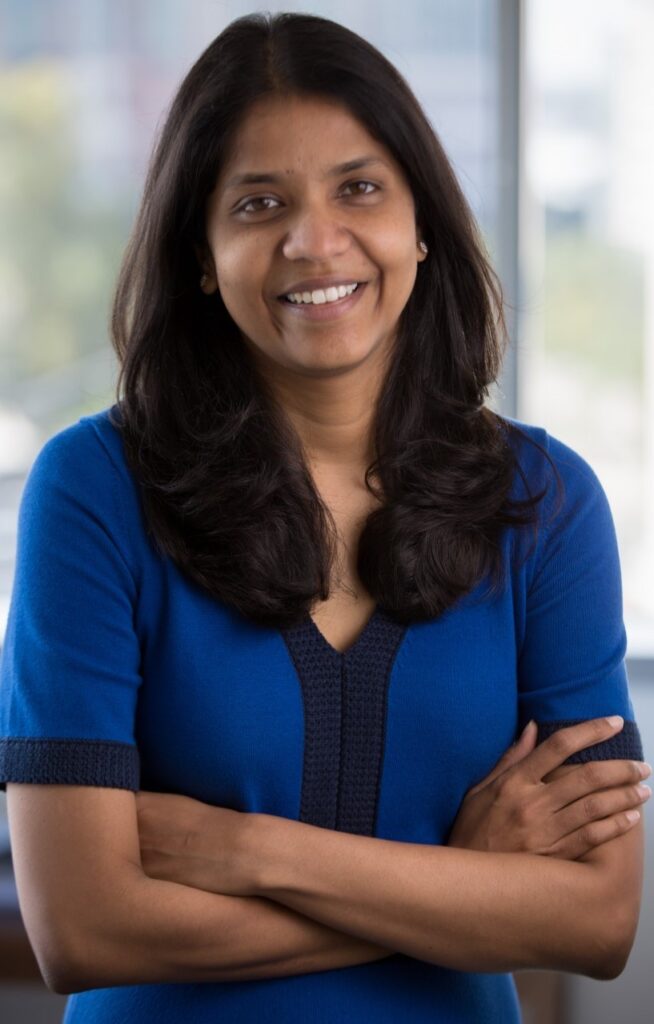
(158, 931)
(462, 909)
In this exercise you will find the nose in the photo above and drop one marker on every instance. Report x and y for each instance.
(316, 235)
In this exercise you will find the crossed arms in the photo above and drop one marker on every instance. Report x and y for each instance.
(291, 898)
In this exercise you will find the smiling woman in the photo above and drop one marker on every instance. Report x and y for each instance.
(302, 619)
(301, 163)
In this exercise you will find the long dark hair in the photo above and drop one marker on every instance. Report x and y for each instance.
(225, 488)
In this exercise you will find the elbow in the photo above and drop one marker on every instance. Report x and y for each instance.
(59, 970)
(68, 977)
(64, 958)
(88, 949)
(62, 984)
(609, 967)
(613, 949)
(604, 968)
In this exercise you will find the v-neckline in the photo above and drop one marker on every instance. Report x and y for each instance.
(348, 650)
(344, 706)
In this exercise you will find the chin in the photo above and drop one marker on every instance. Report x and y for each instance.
(334, 362)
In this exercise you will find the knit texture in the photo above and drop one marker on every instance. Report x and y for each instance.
(625, 745)
(344, 716)
(86, 763)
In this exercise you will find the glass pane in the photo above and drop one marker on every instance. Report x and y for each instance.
(587, 337)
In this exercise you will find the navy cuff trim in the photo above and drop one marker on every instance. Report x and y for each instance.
(69, 761)
(626, 745)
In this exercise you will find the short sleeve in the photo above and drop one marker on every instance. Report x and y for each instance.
(571, 664)
(70, 663)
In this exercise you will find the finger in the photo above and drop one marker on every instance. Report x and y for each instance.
(592, 777)
(553, 751)
(594, 834)
(598, 806)
(523, 745)
(516, 752)
(519, 750)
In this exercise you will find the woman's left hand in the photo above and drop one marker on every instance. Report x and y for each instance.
(187, 841)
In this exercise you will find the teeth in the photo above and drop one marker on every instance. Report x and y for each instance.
(321, 295)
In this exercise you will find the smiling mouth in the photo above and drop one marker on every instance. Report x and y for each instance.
(327, 310)
(327, 302)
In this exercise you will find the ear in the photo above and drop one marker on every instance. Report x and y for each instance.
(422, 255)
(206, 268)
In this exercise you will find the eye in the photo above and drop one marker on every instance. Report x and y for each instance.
(257, 199)
(243, 208)
(372, 185)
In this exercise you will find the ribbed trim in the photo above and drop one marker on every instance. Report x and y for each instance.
(626, 745)
(319, 670)
(367, 672)
(70, 761)
(345, 708)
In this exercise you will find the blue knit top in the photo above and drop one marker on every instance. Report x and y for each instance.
(118, 670)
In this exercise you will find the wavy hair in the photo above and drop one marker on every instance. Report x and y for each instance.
(225, 487)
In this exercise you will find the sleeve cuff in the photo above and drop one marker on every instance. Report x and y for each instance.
(626, 745)
(69, 761)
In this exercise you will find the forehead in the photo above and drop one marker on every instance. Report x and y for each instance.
(298, 135)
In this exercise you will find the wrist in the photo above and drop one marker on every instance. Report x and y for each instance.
(256, 849)
(265, 838)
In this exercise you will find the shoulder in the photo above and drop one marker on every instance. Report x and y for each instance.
(546, 462)
(85, 458)
(573, 523)
(88, 447)
(81, 474)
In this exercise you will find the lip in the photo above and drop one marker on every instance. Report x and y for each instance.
(326, 310)
(310, 284)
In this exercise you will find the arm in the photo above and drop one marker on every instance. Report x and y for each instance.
(523, 807)
(213, 848)
(94, 919)
(462, 909)
(620, 864)
(71, 668)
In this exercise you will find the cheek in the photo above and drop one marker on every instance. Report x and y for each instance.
(396, 252)
(235, 268)
(398, 259)
(240, 283)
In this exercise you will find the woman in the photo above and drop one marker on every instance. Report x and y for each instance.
(299, 589)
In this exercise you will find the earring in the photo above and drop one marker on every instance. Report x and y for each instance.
(203, 280)
(423, 246)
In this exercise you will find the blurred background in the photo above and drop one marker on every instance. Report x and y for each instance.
(545, 110)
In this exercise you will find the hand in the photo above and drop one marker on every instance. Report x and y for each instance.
(517, 808)
(196, 844)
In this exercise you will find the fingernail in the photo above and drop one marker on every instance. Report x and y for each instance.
(615, 720)
(530, 722)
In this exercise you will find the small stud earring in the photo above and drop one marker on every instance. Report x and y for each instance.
(423, 246)
(203, 280)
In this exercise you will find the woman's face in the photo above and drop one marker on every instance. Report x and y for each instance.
(304, 220)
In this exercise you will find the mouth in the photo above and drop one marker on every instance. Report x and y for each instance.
(323, 289)
(324, 310)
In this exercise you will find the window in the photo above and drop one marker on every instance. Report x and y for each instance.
(586, 352)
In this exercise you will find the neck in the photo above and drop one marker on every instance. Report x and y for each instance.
(332, 415)
(334, 426)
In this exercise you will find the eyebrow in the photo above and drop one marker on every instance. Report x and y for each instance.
(272, 177)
